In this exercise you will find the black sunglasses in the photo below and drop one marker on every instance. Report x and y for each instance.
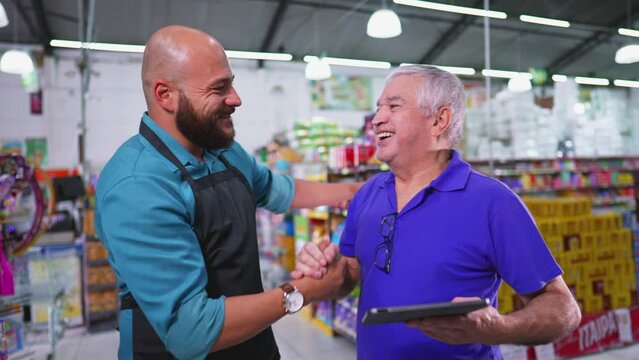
(384, 250)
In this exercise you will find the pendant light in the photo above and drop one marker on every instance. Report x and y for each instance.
(317, 68)
(4, 20)
(627, 55)
(384, 24)
(15, 61)
(630, 53)
(520, 82)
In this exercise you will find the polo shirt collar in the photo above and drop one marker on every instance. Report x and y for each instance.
(182, 154)
(454, 177)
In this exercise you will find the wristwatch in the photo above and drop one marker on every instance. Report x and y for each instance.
(293, 298)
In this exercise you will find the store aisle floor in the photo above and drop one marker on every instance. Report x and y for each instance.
(296, 338)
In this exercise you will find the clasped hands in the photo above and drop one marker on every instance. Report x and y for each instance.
(480, 326)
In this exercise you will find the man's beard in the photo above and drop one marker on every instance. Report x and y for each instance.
(203, 131)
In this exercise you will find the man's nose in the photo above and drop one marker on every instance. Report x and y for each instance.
(233, 99)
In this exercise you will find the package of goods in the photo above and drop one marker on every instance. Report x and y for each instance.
(594, 250)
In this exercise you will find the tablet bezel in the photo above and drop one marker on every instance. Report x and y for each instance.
(385, 315)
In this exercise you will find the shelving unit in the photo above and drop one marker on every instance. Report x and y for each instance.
(101, 289)
(610, 182)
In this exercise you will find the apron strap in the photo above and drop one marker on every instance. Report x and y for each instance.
(155, 140)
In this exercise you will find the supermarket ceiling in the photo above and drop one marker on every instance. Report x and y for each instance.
(338, 29)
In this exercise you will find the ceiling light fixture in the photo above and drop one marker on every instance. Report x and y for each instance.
(592, 81)
(252, 55)
(630, 53)
(628, 32)
(317, 69)
(559, 78)
(451, 69)
(544, 21)
(506, 74)
(627, 55)
(519, 84)
(452, 8)
(626, 83)
(4, 19)
(70, 44)
(351, 62)
(384, 23)
(16, 62)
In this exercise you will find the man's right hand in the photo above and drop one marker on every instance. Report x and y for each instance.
(329, 286)
(314, 259)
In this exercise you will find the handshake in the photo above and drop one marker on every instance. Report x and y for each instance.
(323, 272)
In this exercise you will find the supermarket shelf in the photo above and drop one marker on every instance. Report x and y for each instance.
(95, 315)
(317, 215)
(508, 172)
(100, 262)
(574, 188)
(357, 170)
(100, 287)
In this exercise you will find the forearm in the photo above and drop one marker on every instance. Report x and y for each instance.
(545, 318)
(241, 324)
(351, 277)
(310, 194)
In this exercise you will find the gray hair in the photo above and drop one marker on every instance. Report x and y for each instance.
(440, 89)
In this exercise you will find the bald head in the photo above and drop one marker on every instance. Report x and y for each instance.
(175, 54)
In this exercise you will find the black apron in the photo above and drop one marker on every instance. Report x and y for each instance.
(225, 228)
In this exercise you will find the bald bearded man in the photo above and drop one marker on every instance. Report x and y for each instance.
(175, 207)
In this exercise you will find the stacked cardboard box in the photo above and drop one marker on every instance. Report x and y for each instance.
(594, 250)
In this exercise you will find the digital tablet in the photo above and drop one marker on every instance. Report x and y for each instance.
(376, 316)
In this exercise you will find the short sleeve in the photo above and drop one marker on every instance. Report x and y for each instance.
(349, 235)
(272, 191)
(520, 254)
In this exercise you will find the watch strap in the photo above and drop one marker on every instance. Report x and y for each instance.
(287, 288)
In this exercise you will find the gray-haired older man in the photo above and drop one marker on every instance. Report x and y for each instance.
(434, 230)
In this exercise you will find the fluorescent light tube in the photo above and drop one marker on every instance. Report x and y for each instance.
(544, 21)
(628, 32)
(351, 62)
(451, 69)
(591, 81)
(559, 78)
(506, 74)
(626, 83)
(140, 49)
(69, 44)
(258, 55)
(452, 8)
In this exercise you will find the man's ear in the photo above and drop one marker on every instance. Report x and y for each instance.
(443, 120)
(165, 95)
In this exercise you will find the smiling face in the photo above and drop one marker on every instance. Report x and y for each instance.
(402, 131)
(207, 99)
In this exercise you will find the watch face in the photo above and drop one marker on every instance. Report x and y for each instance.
(295, 301)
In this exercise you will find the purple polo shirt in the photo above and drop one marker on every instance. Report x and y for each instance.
(459, 236)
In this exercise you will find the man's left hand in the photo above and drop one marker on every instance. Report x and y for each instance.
(477, 327)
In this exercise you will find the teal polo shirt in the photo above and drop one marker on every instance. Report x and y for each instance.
(144, 216)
